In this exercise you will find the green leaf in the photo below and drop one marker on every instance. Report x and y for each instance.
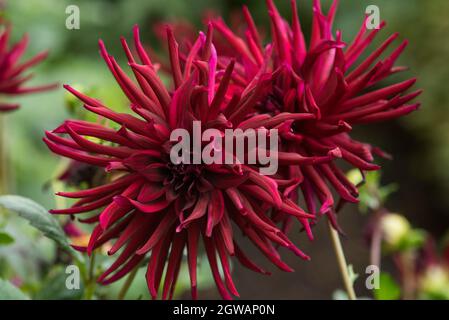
(5, 239)
(39, 218)
(388, 288)
(10, 292)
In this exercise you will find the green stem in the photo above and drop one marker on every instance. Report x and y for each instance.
(90, 283)
(343, 266)
(92, 267)
(128, 282)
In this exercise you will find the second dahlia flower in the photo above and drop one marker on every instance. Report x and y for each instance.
(12, 79)
(327, 78)
(153, 208)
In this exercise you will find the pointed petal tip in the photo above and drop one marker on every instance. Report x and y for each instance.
(336, 153)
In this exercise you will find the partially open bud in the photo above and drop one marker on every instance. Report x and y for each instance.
(434, 283)
(395, 229)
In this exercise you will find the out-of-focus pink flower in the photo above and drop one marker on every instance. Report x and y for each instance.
(17, 281)
(72, 230)
(12, 78)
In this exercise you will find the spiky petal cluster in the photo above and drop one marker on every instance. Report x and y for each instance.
(12, 80)
(153, 208)
(329, 79)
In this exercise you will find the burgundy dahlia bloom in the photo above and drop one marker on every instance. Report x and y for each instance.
(152, 208)
(12, 79)
(327, 78)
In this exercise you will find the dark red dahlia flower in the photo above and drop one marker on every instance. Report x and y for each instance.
(152, 207)
(327, 78)
(12, 79)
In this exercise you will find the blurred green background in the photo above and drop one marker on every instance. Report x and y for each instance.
(420, 142)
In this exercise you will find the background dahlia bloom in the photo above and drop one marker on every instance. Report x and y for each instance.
(12, 80)
(156, 209)
(327, 78)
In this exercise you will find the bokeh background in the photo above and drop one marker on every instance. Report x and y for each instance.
(419, 142)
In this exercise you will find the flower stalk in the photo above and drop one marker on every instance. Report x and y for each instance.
(128, 283)
(341, 260)
(90, 281)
